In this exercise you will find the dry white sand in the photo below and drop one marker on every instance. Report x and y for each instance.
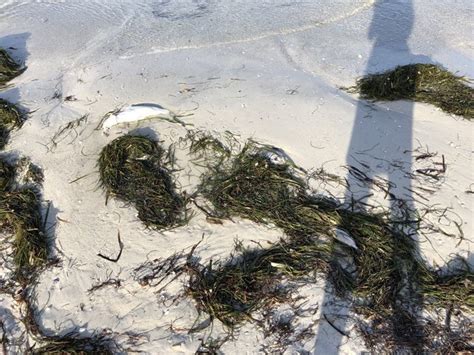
(267, 70)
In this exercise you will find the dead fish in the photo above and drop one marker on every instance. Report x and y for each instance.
(135, 113)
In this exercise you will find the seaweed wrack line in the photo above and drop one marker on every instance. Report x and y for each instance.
(20, 215)
(385, 264)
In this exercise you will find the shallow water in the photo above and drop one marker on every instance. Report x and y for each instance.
(168, 25)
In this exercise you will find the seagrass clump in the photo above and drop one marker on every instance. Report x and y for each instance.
(10, 118)
(451, 288)
(426, 83)
(135, 170)
(73, 345)
(251, 186)
(7, 175)
(20, 214)
(207, 150)
(251, 280)
(387, 277)
(9, 69)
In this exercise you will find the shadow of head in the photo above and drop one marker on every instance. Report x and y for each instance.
(392, 22)
(16, 48)
(15, 45)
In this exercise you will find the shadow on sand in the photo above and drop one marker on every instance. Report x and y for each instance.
(380, 144)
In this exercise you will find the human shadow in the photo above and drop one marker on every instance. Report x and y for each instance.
(381, 146)
(9, 327)
(15, 45)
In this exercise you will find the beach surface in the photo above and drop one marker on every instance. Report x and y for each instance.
(268, 70)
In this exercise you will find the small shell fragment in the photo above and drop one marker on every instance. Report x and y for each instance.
(344, 237)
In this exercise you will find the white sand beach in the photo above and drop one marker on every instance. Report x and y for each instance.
(273, 71)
